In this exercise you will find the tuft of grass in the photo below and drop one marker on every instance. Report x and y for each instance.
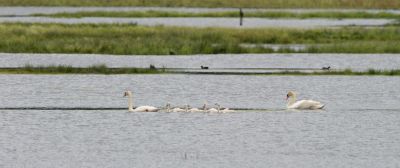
(375, 4)
(126, 39)
(266, 14)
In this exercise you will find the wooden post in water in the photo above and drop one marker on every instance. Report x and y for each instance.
(241, 16)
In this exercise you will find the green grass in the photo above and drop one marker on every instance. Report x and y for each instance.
(103, 69)
(124, 39)
(269, 14)
(63, 69)
(384, 4)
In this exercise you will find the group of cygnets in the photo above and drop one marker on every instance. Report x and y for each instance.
(291, 97)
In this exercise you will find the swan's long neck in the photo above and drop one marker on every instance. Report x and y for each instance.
(292, 100)
(130, 103)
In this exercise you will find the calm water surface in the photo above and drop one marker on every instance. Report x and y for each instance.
(359, 128)
(207, 22)
(52, 10)
(310, 61)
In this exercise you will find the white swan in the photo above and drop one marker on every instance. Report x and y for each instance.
(225, 110)
(138, 109)
(302, 104)
(177, 109)
(194, 110)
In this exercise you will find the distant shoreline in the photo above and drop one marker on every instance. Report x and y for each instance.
(102, 69)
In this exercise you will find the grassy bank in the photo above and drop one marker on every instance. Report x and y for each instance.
(130, 39)
(102, 69)
(384, 4)
(269, 14)
(61, 69)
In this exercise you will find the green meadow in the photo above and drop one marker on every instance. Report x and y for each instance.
(382, 4)
(125, 39)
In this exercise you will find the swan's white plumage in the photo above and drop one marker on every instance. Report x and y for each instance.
(140, 108)
(227, 110)
(145, 109)
(302, 104)
(212, 110)
(306, 104)
(194, 110)
(178, 110)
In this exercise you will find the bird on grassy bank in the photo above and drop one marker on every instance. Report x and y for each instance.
(326, 68)
(140, 108)
(203, 67)
(302, 104)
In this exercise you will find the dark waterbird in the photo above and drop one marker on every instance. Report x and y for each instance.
(203, 67)
(326, 68)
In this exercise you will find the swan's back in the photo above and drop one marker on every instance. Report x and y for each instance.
(178, 110)
(307, 104)
(195, 110)
(146, 109)
(213, 110)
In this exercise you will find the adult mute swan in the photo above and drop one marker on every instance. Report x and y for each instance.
(138, 109)
(302, 104)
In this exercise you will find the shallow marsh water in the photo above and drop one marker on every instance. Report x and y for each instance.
(221, 61)
(359, 128)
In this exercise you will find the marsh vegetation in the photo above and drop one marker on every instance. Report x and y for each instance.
(103, 69)
(125, 39)
(384, 4)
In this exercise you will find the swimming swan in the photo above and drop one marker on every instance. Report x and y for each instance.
(211, 110)
(302, 104)
(194, 110)
(138, 109)
(225, 110)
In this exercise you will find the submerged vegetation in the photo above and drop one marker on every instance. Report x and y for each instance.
(125, 39)
(265, 14)
(103, 69)
(384, 4)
